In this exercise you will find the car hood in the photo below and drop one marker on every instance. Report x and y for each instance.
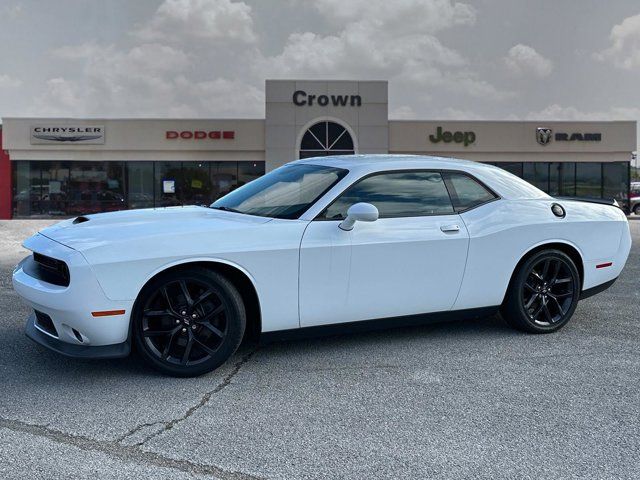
(149, 225)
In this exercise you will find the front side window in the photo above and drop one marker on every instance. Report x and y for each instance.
(466, 192)
(286, 192)
(399, 194)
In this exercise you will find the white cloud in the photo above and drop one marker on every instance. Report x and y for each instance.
(624, 51)
(14, 11)
(7, 81)
(149, 79)
(403, 112)
(59, 97)
(213, 20)
(458, 114)
(225, 97)
(525, 60)
(559, 112)
(410, 16)
(172, 64)
(381, 39)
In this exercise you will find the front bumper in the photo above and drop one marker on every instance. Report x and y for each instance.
(70, 308)
(118, 350)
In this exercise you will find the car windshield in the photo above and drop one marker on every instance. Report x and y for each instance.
(286, 192)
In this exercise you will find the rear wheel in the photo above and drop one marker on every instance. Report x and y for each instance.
(188, 322)
(543, 293)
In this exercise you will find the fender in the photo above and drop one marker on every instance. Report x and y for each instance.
(186, 261)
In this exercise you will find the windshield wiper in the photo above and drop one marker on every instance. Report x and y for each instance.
(227, 209)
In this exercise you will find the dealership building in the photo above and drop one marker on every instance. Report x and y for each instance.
(70, 166)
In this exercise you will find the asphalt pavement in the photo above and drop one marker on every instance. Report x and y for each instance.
(468, 399)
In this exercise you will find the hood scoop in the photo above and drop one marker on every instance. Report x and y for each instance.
(80, 219)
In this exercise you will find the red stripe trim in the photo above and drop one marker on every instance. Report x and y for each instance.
(604, 265)
(107, 313)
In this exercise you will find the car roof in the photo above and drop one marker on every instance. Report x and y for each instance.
(386, 162)
(500, 181)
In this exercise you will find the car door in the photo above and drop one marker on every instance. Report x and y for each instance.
(410, 261)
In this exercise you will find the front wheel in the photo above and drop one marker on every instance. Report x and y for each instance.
(188, 322)
(543, 293)
(636, 209)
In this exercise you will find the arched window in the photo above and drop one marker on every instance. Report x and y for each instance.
(326, 138)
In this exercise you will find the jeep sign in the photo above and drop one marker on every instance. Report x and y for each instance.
(466, 138)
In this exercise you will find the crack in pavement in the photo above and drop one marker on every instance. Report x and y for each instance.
(168, 425)
(124, 453)
(134, 453)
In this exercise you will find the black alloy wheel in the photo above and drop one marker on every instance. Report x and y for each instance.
(543, 294)
(188, 322)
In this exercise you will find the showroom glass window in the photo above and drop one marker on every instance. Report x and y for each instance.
(589, 179)
(615, 181)
(562, 178)
(140, 184)
(398, 194)
(537, 173)
(69, 188)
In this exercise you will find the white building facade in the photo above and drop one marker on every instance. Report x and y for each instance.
(66, 167)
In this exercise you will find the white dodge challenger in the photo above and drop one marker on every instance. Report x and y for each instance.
(332, 240)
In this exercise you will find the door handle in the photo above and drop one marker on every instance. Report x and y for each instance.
(450, 228)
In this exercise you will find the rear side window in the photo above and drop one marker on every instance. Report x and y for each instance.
(398, 194)
(466, 192)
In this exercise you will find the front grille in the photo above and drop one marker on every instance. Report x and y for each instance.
(45, 323)
(47, 269)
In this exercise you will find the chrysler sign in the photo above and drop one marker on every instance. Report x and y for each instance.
(67, 134)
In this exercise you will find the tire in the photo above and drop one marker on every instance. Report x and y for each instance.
(188, 322)
(543, 293)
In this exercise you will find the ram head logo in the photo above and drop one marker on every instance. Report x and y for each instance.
(543, 135)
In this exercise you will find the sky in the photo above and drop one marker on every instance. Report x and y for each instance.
(444, 59)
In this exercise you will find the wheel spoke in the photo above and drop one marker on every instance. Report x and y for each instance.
(187, 350)
(535, 314)
(213, 329)
(561, 295)
(165, 294)
(203, 346)
(557, 304)
(555, 273)
(545, 269)
(533, 289)
(157, 313)
(562, 280)
(202, 297)
(547, 313)
(185, 292)
(537, 275)
(531, 300)
(159, 333)
(214, 313)
(167, 348)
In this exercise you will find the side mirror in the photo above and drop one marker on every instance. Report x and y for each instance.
(359, 212)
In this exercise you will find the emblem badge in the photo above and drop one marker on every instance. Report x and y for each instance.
(543, 135)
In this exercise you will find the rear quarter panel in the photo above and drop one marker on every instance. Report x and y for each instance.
(502, 232)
